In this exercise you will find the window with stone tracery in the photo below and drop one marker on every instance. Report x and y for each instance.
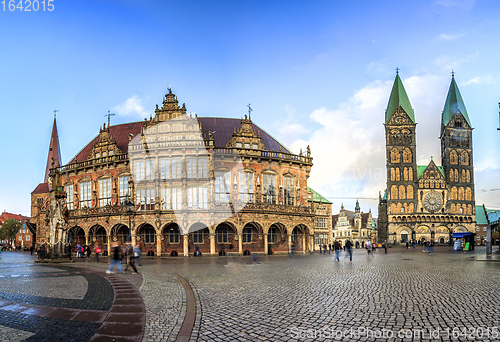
(464, 158)
(409, 192)
(453, 157)
(468, 194)
(461, 194)
(395, 158)
(85, 194)
(407, 157)
(104, 192)
(453, 194)
(402, 191)
(393, 174)
(394, 192)
(398, 174)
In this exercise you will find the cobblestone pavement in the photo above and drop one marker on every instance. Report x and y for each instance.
(405, 295)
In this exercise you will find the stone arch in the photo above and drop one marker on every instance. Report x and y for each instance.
(403, 234)
(461, 195)
(76, 236)
(119, 233)
(393, 174)
(145, 236)
(225, 237)
(409, 192)
(468, 194)
(398, 174)
(394, 192)
(461, 229)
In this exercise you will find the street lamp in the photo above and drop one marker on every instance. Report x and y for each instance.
(130, 211)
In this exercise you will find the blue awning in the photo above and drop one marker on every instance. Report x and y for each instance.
(460, 235)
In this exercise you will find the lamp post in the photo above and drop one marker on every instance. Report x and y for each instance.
(129, 205)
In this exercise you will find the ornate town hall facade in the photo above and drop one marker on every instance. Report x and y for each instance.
(427, 201)
(181, 183)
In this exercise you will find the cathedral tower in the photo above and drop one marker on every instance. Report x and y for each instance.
(456, 153)
(400, 152)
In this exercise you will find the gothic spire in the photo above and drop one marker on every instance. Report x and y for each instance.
(399, 98)
(54, 155)
(357, 208)
(454, 105)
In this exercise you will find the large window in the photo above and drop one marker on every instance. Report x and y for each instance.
(85, 197)
(149, 235)
(196, 167)
(271, 235)
(176, 168)
(321, 223)
(269, 188)
(173, 235)
(197, 198)
(246, 187)
(104, 192)
(145, 199)
(247, 235)
(69, 196)
(288, 191)
(222, 187)
(170, 168)
(124, 186)
(198, 236)
(222, 235)
(145, 170)
(171, 198)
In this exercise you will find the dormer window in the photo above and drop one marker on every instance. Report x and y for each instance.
(255, 146)
(238, 145)
(98, 155)
(111, 152)
(104, 154)
(247, 145)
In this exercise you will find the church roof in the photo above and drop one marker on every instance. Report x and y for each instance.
(41, 188)
(399, 98)
(223, 128)
(421, 169)
(454, 103)
(317, 197)
(54, 151)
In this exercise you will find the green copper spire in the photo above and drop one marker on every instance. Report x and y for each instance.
(453, 104)
(399, 98)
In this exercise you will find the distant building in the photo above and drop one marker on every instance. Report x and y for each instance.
(322, 209)
(425, 202)
(355, 226)
(24, 237)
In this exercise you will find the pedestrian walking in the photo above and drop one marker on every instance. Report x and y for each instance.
(138, 254)
(348, 246)
(129, 253)
(88, 251)
(407, 245)
(115, 258)
(384, 245)
(336, 247)
(431, 247)
(324, 248)
(31, 249)
(97, 251)
(329, 248)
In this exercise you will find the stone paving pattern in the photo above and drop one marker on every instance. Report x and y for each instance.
(280, 299)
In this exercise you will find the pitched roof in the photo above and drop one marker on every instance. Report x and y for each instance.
(5, 216)
(399, 98)
(41, 188)
(481, 215)
(119, 133)
(54, 152)
(454, 103)
(421, 169)
(317, 197)
(223, 128)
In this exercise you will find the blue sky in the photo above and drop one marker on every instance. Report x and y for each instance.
(316, 73)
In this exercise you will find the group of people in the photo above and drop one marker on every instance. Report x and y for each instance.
(129, 252)
(429, 245)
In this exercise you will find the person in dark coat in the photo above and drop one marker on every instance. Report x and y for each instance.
(337, 247)
(348, 247)
(116, 257)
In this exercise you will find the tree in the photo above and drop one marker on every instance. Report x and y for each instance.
(9, 229)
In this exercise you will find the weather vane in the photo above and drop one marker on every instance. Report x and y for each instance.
(109, 115)
(452, 73)
(249, 111)
(55, 112)
(397, 70)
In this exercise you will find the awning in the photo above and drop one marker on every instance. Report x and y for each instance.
(460, 235)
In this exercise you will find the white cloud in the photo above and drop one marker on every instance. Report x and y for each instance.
(131, 107)
(449, 37)
(488, 187)
(449, 63)
(348, 149)
(479, 80)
